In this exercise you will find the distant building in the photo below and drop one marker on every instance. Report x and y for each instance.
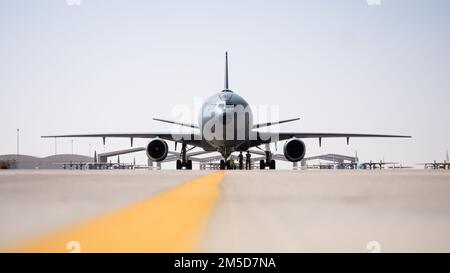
(13, 161)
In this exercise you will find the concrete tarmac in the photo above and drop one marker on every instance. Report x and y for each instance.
(256, 211)
(337, 211)
(38, 201)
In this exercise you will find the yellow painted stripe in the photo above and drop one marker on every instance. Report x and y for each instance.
(170, 222)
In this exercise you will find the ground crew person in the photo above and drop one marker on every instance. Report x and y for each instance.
(241, 161)
(232, 165)
(247, 161)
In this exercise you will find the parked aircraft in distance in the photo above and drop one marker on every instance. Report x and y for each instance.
(437, 165)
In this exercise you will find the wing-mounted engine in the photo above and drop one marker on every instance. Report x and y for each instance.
(294, 150)
(157, 149)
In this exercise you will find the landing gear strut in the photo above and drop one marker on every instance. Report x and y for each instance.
(269, 162)
(184, 162)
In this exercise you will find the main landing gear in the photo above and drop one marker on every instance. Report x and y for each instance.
(187, 164)
(269, 162)
(225, 164)
(263, 164)
(184, 163)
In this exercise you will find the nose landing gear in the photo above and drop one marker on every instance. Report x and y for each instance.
(226, 165)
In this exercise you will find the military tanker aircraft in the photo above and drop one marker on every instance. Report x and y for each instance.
(225, 126)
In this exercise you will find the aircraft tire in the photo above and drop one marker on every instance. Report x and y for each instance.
(262, 164)
(272, 164)
(189, 165)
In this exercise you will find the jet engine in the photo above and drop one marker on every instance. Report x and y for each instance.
(294, 150)
(157, 150)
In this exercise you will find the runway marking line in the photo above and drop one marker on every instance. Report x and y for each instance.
(171, 221)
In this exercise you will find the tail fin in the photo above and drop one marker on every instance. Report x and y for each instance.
(446, 157)
(226, 70)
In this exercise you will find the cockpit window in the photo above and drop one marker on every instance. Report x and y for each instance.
(225, 96)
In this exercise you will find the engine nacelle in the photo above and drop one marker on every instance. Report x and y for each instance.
(294, 150)
(157, 150)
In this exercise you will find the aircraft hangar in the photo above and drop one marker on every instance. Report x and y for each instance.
(14, 161)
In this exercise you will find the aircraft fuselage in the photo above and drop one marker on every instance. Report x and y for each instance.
(226, 122)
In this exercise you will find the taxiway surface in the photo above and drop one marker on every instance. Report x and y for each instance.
(254, 211)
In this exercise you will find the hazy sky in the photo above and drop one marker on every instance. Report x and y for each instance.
(342, 66)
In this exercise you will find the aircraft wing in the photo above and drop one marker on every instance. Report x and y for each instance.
(333, 135)
(267, 137)
(261, 125)
(178, 123)
(188, 138)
